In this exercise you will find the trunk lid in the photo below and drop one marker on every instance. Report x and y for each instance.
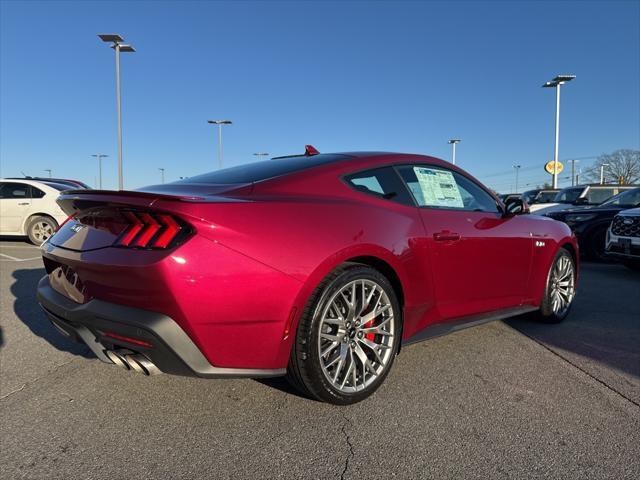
(160, 216)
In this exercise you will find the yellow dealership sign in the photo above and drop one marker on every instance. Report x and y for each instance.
(549, 166)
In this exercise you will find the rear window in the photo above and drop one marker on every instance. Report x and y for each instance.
(263, 170)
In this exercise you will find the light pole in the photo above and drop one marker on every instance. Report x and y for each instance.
(602, 172)
(453, 142)
(118, 46)
(556, 82)
(220, 123)
(48, 170)
(573, 169)
(517, 169)
(261, 154)
(161, 174)
(100, 156)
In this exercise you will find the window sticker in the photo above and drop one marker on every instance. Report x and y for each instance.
(439, 188)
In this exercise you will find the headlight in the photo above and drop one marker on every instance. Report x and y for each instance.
(580, 217)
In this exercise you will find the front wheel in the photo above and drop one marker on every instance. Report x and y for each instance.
(348, 336)
(40, 229)
(560, 289)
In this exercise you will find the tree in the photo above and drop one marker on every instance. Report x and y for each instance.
(623, 166)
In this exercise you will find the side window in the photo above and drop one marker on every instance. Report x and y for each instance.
(36, 193)
(599, 195)
(380, 182)
(14, 190)
(440, 188)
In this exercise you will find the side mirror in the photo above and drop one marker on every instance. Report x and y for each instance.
(515, 206)
(581, 201)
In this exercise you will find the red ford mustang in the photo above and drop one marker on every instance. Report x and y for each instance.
(316, 266)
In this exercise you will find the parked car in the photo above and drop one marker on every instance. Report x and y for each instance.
(623, 238)
(59, 181)
(583, 195)
(313, 266)
(590, 224)
(540, 195)
(29, 208)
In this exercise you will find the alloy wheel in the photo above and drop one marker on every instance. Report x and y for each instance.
(562, 288)
(355, 341)
(41, 231)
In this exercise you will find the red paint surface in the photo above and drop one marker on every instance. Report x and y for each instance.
(233, 284)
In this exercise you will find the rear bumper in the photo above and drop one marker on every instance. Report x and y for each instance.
(167, 345)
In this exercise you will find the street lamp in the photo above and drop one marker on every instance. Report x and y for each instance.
(48, 170)
(118, 46)
(602, 172)
(220, 123)
(556, 82)
(261, 154)
(161, 174)
(100, 156)
(517, 169)
(453, 142)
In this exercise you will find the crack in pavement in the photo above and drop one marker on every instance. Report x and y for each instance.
(573, 364)
(351, 451)
(30, 382)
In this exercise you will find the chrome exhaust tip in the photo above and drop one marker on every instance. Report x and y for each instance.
(118, 358)
(141, 364)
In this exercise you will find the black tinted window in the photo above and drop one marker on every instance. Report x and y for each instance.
(257, 171)
(568, 195)
(599, 195)
(381, 182)
(14, 190)
(36, 193)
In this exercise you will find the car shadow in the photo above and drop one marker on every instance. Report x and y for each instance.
(603, 325)
(28, 310)
(281, 383)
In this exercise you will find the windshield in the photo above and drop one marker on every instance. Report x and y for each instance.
(629, 198)
(568, 195)
(263, 170)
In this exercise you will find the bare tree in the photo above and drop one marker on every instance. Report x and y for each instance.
(622, 166)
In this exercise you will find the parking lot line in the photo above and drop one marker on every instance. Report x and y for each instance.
(14, 259)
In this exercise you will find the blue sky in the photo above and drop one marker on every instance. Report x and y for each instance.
(342, 76)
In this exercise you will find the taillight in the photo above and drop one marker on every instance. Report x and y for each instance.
(62, 224)
(151, 230)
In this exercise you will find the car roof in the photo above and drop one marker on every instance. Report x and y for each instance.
(34, 183)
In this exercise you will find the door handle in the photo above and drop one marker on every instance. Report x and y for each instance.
(24, 203)
(446, 236)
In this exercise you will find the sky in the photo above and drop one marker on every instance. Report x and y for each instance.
(342, 76)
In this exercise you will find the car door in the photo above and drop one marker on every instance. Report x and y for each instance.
(15, 204)
(480, 259)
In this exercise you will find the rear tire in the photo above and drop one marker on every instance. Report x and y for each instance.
(560, 289)
(40, 229)
(347, 337)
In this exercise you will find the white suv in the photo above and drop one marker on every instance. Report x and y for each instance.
(623, 237)
(28, 207)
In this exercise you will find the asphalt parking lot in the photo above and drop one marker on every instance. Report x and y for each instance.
(505, 400)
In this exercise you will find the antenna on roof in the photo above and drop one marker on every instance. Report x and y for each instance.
(310, 150)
